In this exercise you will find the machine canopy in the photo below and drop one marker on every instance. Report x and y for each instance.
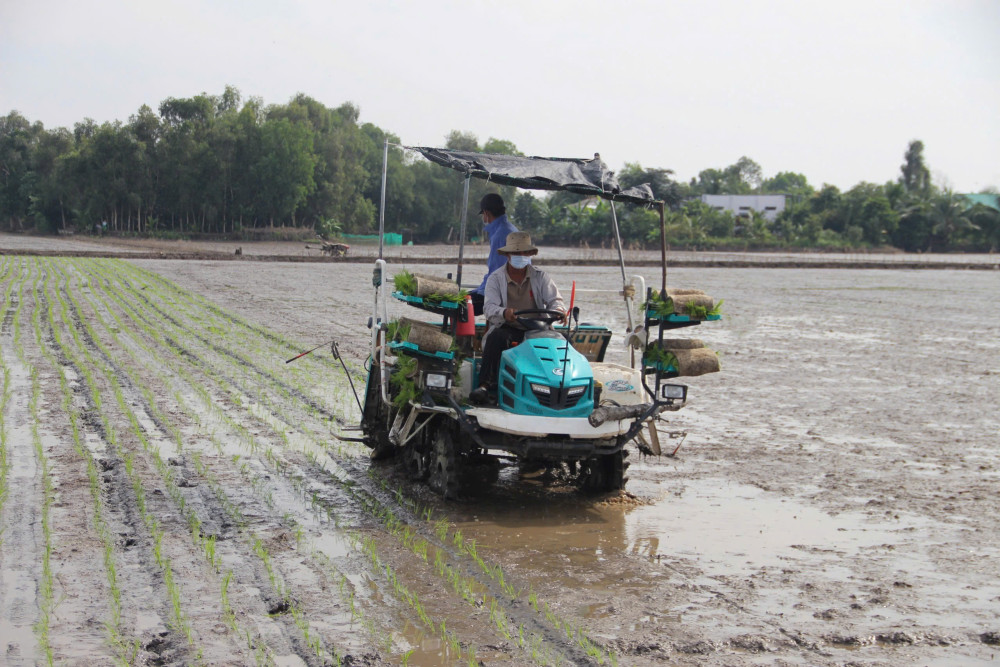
(586, 177)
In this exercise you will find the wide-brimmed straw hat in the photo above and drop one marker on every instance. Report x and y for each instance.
(519, 242)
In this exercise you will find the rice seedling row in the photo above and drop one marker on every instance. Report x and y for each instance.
(46, 599)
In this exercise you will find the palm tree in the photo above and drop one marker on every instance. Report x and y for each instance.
(949, 215)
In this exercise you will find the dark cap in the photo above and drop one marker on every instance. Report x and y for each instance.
(493, 203)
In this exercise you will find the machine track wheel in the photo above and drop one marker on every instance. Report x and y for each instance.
(603, 474)
(445, 464)
(416, 460)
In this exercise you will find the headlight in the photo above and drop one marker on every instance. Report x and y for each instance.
(673, 392)
(437, 380)
(576, 391)
(541, 389)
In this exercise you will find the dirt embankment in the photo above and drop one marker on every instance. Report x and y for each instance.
(287, 251)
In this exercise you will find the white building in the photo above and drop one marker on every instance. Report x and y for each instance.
(767, 205)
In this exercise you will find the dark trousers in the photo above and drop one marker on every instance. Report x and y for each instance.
(477, 302)
(499, 340)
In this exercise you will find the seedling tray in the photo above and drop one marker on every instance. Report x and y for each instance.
(675, 321)
(450, 308)
(410, 348)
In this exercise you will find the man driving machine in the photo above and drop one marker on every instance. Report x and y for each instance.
(516, 286)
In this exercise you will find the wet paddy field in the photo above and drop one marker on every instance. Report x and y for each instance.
(175, 493)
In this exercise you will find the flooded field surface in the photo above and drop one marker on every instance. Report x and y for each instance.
(174, 492)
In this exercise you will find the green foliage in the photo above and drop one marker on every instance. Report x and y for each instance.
(397, 331)
(662, 306)
(229, 165)
(328, 228)
(406, 283)
(658, 357)
(402, 378)
(915, 177)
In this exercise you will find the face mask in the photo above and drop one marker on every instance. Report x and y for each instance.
(520, 261)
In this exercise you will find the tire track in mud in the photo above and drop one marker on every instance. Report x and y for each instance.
(322, 478)
(198, 508)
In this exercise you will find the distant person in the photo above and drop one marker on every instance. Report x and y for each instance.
(515, 286)
(498, 228)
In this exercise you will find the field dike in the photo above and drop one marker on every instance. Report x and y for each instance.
(171, 493)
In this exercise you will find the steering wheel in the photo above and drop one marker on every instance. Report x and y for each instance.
(538, 319)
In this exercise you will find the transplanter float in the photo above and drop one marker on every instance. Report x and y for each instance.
(560, 405)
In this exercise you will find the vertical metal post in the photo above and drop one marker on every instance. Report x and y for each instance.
(663, 252)
(381, 208)
(461, 236)
(621, 262)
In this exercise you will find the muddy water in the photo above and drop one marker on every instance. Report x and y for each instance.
(835, 498)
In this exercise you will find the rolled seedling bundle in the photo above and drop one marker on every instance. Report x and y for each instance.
(692, 302)
(697, 361)
(671, 344)
(432, 285)
(689, 302)
(427, 337)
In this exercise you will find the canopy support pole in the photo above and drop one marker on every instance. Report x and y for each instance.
(621, 262)
(381, 208)
(461, 236)
(663, 251)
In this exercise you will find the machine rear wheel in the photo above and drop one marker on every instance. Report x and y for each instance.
(416, 459)
(602, 474)
(444, 464)
(374, 418)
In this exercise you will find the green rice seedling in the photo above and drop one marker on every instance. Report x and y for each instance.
(657, 356)
(405, 282)
(48, 496)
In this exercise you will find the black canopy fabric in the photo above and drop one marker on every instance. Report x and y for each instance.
(587, 177)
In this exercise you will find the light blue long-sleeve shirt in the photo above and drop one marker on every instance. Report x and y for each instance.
(497, 231)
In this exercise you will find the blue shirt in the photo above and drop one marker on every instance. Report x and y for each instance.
(497, 231)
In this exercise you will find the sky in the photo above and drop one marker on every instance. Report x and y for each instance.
(833, 90)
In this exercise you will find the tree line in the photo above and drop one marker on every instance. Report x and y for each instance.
(221, 164)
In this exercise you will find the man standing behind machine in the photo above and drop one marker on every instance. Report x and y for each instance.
(498, 227)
